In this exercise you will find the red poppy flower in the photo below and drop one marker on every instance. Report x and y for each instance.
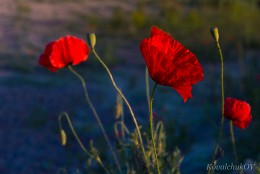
(63, 52)
(170, 63)
(238, 111)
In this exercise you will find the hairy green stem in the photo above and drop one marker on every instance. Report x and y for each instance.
(151, 128)
(233, 140)
(222, 101)
(96, 116)
(232, 136)
(64, 114)
(147, 86)
(122, 117)
(127, 103)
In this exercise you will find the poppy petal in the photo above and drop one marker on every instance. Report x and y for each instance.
(184, 91)
(238, 111)
(169, 63)
(69, 50)
(63, 52)
(243, 124)
(44, 58)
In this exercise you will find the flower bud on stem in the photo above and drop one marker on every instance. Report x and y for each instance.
(96, 116)
(63, 137)
(215, 35)
(127, 103)
(92, 39)
(64, 114)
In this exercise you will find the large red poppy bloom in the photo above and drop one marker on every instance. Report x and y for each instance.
(238, 111)
(170, 63)
(63, 52)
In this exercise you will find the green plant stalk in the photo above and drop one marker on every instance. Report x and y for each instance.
(147, 86)
(127, 103)
(222, 100)
(96, 116)
(232, 136)
(122, 126)
(78, 140)
(151, 128)
(122, 118)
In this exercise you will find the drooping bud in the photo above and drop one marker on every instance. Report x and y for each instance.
(214, 33)
(118, 107)
(92, 39)
(118, 110)
(63, 137)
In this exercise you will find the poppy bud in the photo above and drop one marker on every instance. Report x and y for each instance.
(214, 33)
(118, 107)
(63, 137)
(118, 110)
(92, 39)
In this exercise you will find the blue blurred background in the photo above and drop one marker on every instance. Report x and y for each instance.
(32, 97)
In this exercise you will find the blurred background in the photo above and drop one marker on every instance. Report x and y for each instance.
(32, 97)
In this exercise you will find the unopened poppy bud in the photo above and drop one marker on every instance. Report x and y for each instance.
(118, 107)
(92, 39)
(214, 33)
(63, 137)
(118, 110)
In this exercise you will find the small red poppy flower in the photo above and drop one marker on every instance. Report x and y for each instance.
(63, 52)
(238, 111)
(170, 63)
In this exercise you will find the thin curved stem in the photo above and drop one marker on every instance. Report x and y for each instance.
(232, 136)
(96, 116)
(127, 103)
(222, 100)
(233, 140)
(123, 128)
(122, 116)
(151, 128)
(64, 114)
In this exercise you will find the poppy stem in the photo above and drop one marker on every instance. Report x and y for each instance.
(147, 86)
(232, 136)
(151, 128)
(127, 103)
(64, 114)
(96, 116)
(122, 121)
(222, 101)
